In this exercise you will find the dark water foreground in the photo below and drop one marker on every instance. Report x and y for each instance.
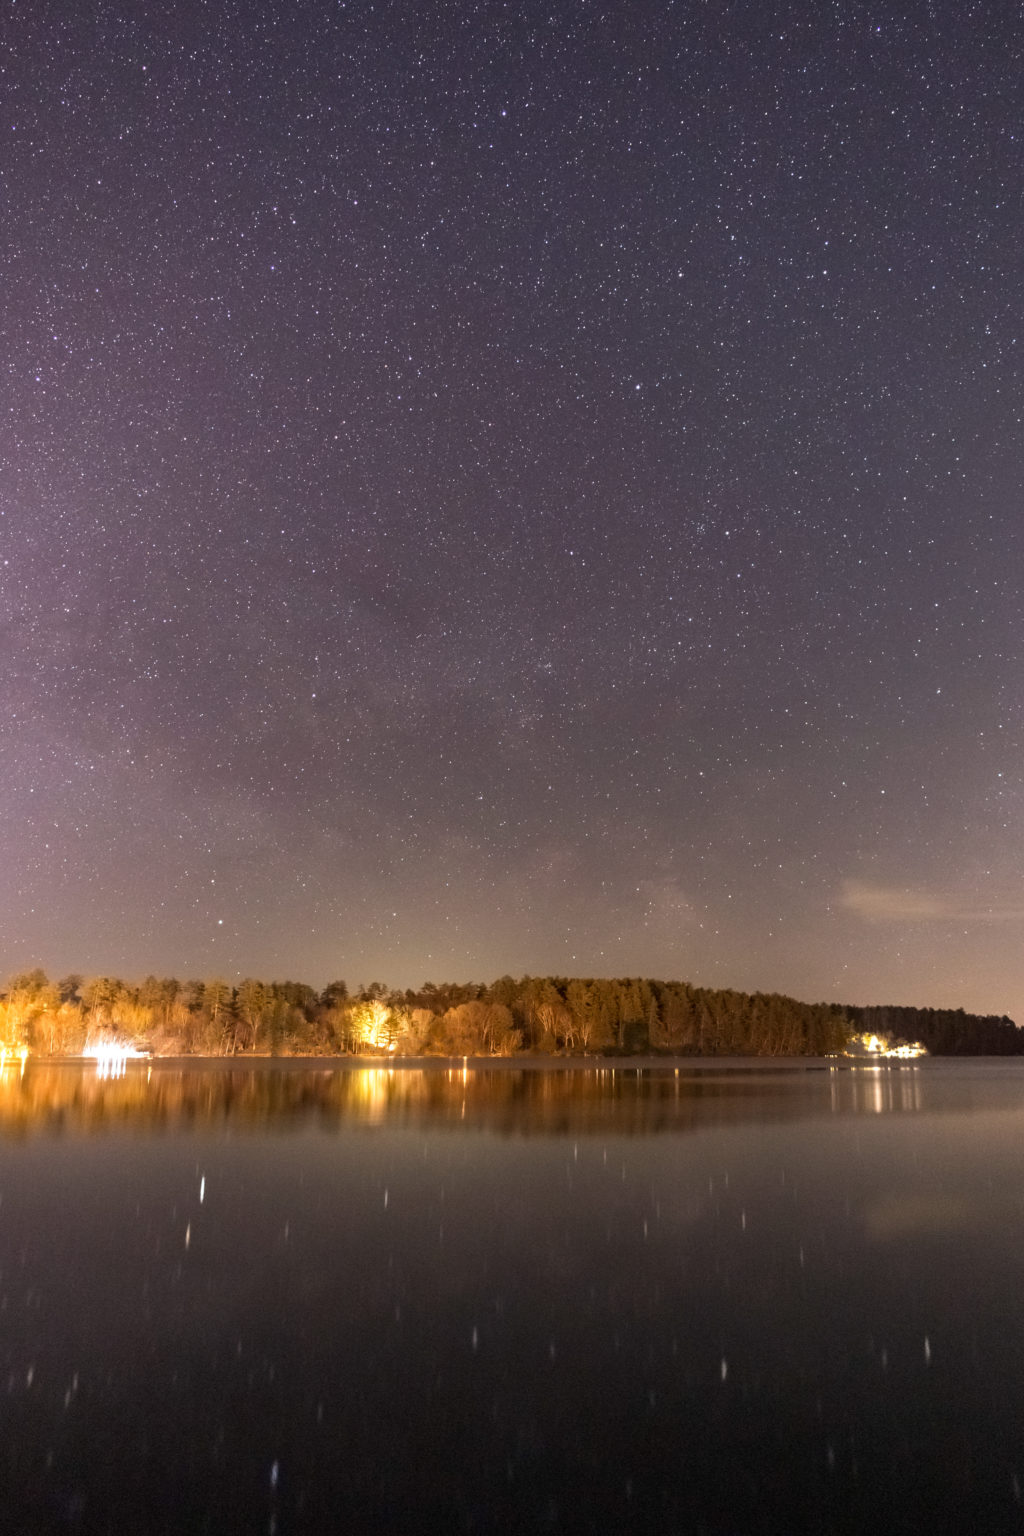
(299, 1299)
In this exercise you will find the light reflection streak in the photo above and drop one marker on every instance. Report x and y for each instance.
(21, 1055)
(881, 1089)
(112, 1058)
(375, 1087)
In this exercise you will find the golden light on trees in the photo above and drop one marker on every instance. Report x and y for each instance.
(373, 1024)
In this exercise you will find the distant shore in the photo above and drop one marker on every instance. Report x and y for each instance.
(529, 1020)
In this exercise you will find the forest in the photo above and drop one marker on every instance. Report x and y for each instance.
(537, 1015)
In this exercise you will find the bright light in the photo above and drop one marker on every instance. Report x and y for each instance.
(373, 1023)
(881, 1045)
(111, 1059)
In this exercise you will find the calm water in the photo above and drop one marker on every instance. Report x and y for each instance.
(729, 1300)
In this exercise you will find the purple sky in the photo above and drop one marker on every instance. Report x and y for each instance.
(528, 488)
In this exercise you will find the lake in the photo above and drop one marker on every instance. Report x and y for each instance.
(693, 1297)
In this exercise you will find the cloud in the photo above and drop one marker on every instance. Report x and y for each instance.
(882, 904)
(900, 904)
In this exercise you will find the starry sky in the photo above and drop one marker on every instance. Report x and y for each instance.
(501, 487)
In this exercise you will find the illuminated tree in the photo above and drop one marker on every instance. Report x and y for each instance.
(29, 1004)
(372, 1024)
(251, 999)
(414, 1026)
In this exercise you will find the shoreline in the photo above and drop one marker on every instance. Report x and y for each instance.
(528, 1063)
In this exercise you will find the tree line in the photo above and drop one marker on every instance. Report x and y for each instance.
(548, 1014)
(945, 1031)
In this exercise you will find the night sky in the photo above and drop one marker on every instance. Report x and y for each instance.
(514, 488)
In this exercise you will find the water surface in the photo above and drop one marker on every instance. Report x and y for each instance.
(708, 1298)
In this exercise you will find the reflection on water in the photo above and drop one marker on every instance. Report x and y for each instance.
(9, 1057)
(112, 1058)
(632, 1101)
(670, 1298)
(878, 1090)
